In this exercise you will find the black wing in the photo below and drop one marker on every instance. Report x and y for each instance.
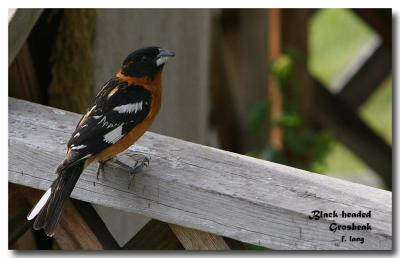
(116, 109)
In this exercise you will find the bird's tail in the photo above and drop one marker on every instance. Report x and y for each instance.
(51, 206)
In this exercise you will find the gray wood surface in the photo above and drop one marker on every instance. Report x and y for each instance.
(200, 187)
(20, 23)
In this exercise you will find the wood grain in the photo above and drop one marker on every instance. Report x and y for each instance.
(195, 186)
(20, 23)
(193, 239)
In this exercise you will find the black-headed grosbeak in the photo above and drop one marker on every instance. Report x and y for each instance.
(120, 113)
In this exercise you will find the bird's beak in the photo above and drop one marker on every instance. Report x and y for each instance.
(163, 56)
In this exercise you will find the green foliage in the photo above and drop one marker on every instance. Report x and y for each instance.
(257, 116)
(303, 146)
(254, 247)
(282, 69)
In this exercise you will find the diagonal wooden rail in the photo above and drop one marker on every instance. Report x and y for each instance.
(203, 188)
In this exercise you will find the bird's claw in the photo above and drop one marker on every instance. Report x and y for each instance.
(102, 164)
(139, 165)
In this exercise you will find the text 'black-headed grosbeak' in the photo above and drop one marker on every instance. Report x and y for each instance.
(121, 112)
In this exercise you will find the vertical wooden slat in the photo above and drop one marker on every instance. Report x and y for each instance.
(274, 51)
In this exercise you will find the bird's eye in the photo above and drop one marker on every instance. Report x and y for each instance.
(144, 58)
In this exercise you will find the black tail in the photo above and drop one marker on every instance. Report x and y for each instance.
(51, 206)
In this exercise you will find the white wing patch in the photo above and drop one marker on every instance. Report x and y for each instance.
(40, 204)
(114, 135)
(78, 147)
(129, 108)
(85, 157)
(103, 122)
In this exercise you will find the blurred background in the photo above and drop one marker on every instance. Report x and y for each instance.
(308, 88)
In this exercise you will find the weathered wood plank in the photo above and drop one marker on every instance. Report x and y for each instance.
(193, 239)
(199, 187)
(20, 23)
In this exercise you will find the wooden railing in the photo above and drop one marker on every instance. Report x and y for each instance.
(202, 188)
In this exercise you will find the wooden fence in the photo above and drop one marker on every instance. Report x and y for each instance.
(204, 189)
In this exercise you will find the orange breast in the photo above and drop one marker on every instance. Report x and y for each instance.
(130, 138)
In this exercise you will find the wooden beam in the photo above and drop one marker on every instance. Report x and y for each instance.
(193, 239)
(334, 115)
(364, 82)
(20, 24)
(74, 233)
(96, 225)
(203, 188)
(155, 235)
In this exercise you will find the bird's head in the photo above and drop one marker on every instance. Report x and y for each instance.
(145, 62)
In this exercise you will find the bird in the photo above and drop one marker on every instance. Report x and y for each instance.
(120, 113)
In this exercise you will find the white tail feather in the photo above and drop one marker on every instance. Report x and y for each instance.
(40, 204)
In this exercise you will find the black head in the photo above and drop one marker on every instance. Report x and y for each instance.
(145, 61)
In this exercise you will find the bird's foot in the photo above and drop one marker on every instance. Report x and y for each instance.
(139, 165)
(100, 169)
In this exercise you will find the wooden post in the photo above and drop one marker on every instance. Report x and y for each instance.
(275, 51)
